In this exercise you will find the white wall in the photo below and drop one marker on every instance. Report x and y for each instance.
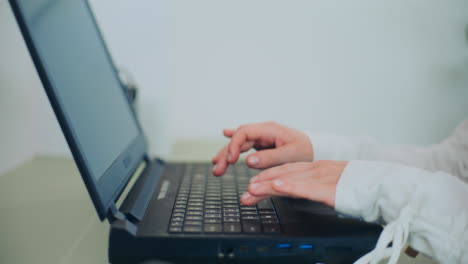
(396, 70)
(27, 123)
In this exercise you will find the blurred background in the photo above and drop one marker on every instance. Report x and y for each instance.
(394, 70)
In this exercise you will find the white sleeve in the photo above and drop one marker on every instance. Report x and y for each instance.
(426, 209)
(450, 155)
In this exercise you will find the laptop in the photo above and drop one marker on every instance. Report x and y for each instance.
(176, 212)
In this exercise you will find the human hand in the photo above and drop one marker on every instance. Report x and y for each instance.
(308, 180)
(275, 144)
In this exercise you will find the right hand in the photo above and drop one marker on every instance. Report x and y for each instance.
(275, 144)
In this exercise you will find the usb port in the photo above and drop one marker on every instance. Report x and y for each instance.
(306, 246)
(284, 246)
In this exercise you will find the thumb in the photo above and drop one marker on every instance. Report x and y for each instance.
(268, 158)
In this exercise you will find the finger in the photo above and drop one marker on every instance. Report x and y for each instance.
(278, 171)
(264, 134)
(222, 153)
(249, 199)
(229, 132)
(301, 177)
(220, 160)
(237, 140)
(264, 188)
(268, 158)
(219, 168)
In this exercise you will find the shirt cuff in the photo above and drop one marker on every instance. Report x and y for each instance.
(333, 147)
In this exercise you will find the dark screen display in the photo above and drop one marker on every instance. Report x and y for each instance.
(83, 79)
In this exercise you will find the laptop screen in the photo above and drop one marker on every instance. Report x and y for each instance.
(76, 62)
(83, 80)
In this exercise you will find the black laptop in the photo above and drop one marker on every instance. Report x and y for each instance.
(174, 212)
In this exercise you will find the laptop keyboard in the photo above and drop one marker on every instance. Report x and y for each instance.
(210, 205)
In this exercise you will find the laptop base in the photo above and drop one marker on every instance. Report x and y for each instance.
(310, 232)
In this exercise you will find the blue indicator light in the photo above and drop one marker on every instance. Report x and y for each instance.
(284, 246)
(306, 246)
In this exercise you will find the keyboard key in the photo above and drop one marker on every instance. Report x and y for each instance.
(232, 227)
(230, 197)
(193, 223)
(176, 223)
(270, 221)
(266, 211)
(212, 220)
(192, 229)
(271, 228)
(177, 219)
(213, 228)
(212, 206)
(265, 204)
(175, 229)
(195, 208)
(200, 213)
(213, 211)
(251, 227)
(212, 215)
(231, 213)
(231, 219)
(230, 202)
(199, 200)
(178, 215)
(249, 212)
(268, 216)
(195, 204)
(250, 218)
(213, 202)
(231, 210)
(194, 218)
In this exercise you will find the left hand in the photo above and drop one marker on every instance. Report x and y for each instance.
(308, 180)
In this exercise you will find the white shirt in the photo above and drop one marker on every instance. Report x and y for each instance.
(419, 193)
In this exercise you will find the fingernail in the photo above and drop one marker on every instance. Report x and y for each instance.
(253, 179)
(255, 185)
(245, 196)
(253, 160)
(229, 157)
(278, 182)
(214, 167)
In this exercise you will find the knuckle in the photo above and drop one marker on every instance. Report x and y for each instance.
(272, 123)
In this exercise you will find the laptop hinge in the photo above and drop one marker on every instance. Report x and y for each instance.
(131, 182)
(143, 185)
(115, 214)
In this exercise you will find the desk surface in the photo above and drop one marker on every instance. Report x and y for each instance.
(48, 217)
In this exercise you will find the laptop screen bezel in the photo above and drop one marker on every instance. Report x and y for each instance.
(106, 190)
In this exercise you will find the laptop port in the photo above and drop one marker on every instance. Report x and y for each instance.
(305, 246)
(284, 246)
